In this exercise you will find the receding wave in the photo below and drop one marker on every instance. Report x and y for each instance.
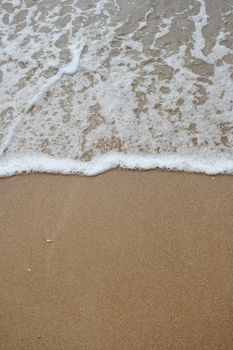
(90, 85)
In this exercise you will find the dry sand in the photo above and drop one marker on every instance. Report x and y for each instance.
(137, 260)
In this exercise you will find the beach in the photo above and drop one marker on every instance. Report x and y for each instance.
(116, 186)
(123, 260)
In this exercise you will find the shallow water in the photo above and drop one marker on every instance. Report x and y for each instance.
(91, 85)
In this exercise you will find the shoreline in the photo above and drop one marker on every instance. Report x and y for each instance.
(113, 161)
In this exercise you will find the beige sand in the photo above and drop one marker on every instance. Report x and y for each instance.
(137, 260)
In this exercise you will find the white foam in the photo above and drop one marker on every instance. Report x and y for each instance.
(8, 136)
(143, 24)
(163, 30)
(98, 165)
(71, 68)
(200, 21)
(100, 6)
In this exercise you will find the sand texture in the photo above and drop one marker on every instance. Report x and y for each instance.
(123, 261)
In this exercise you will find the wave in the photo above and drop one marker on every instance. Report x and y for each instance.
(91, 85)
(100, 164)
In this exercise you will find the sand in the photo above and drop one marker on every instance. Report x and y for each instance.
(125, 260)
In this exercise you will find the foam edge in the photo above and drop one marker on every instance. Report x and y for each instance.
(100, 164)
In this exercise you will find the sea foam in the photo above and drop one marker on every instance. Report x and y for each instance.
(112, 160)
(87, 86)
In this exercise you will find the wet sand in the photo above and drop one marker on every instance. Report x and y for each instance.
(125, 260)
